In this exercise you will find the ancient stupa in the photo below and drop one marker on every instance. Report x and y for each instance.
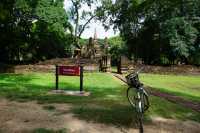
(98, 51)
(92, 50)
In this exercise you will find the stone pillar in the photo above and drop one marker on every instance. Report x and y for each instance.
(109, 69)
(123, 64)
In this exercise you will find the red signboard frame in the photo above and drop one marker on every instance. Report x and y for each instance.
(69, 70)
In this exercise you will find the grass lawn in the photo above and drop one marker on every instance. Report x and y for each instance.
(187, 87)
(107, 102)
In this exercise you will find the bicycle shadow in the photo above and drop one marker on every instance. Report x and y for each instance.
(118, 115)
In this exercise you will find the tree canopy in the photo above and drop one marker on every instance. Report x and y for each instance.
(32, 30)
(158, 32)
(81, 17)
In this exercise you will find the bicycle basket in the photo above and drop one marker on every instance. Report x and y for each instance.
(133, 80)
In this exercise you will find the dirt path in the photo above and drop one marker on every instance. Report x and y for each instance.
(173, 98)
(16, 117)
(186, 103)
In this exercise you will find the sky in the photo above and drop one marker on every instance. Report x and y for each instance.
(101, 32)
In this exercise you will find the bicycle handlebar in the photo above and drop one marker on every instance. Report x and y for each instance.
(140, 70)
(136, 73)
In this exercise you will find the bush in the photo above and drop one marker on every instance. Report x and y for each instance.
(196, 59)
(164, 60)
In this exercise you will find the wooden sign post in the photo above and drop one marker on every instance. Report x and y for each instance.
(70, 71)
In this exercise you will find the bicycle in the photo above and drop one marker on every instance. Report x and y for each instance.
(137, 96)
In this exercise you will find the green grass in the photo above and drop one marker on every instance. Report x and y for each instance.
(187, 87)
(106, 104)
(114, 69)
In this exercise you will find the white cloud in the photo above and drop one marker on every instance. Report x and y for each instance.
(101, 32)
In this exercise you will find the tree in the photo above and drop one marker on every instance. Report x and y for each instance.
(155, 30)
(117, 48)
(32, 40)
(181, 36)
(52, 24)
(15, 22)
(5, 27)
(78, 15)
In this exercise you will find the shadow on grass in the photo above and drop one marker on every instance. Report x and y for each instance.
(161, 107)
(29, 92)
(14, 78)
(43, 130)
(118, 115)
(106, 104)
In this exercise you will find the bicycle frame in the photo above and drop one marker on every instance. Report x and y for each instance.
(139, 93)
(140, 100)
(137, 96)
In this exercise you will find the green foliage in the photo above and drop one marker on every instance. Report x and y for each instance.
(153, 28)
(83, 42)
(117, 48)
(116, 41)
(52, 12)
(164, 60)
(37, 29)
(181, 36)
(196, 58)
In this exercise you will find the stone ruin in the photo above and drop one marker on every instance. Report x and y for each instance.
(92, 50)
(95, 56)
(124, 65)
(96, 52)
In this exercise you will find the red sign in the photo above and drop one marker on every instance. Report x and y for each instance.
(69, 70)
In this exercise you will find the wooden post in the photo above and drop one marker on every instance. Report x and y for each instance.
(119, 66)
(81, 78)
(56, 77)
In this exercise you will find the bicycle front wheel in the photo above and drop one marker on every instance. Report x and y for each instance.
(145, 101)
(132, 97)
